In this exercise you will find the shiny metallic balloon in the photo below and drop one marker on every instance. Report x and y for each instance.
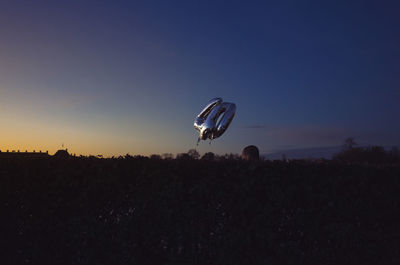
(214, 119)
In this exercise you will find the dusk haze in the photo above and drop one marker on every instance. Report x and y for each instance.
(118, 77)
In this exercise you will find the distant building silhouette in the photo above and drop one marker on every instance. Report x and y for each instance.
(25, 154)
(250, 153)
(62, 153)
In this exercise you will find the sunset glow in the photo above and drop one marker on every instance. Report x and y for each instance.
(118, 78)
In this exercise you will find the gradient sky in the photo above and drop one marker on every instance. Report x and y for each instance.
(117, 77)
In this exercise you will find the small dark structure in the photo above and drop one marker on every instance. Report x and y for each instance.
(62, 153)
(26, 154)
(250, 153)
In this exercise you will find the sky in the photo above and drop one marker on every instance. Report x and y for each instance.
(118, 77)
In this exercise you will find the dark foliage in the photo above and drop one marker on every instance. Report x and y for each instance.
(376, 155)
(209, 156)
(136, 210)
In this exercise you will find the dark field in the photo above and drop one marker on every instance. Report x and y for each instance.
(150, 211)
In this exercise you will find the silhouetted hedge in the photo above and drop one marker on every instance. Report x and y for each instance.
(369, 155)
(136, 210)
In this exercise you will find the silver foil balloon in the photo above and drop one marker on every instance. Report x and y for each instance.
(214, 119)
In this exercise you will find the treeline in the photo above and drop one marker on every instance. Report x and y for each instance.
(372, 155)
(191, 154)
(352, 153)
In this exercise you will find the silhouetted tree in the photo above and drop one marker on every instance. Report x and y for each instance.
(183, 156)
(208, 156)
(155, 157)
(193, 154)
(349, 143)
(376, 155)
(229, 157)
(394, 155)
(395, 151)
(167, 156)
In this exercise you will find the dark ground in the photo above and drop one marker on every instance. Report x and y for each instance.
(142, 211)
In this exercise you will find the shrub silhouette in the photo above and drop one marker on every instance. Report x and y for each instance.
(208, 156)
(371, 155)
(193, 154)
(155, 157)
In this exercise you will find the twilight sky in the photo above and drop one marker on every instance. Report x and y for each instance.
(117, 77)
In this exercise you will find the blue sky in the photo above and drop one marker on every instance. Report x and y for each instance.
(117, 77)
